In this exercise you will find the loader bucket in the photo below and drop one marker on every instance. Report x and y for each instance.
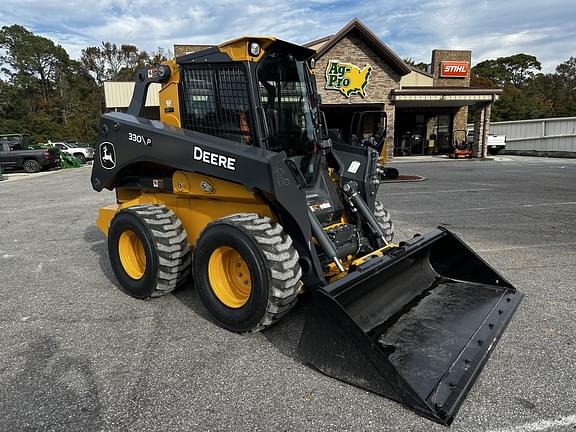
(416, 325)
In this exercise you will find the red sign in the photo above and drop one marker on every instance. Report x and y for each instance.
(454, 69)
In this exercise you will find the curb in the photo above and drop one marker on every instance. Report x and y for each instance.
(412, 179)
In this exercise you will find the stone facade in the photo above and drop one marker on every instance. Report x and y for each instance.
(438, 56)
(460, 120)
(180, 50)
(383, 79)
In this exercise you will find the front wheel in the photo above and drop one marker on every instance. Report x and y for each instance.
(80, 157)
(384, 220)
(246, 271)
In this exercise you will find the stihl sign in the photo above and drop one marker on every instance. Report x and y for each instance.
(454, 69)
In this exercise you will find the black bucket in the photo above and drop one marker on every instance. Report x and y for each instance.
(416, 325)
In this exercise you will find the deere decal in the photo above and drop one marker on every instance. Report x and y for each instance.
(347, 78)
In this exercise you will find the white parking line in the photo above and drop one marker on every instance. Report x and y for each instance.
(23, 176)
(489, 208)
(536, 246)
(540, 425)
(438, 191)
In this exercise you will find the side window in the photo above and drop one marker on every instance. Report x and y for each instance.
(216, 102)
(27, 142)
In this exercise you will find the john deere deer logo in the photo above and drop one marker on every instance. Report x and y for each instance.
(347, 78)
(107, 155)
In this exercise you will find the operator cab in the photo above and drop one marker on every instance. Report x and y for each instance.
(262, 94)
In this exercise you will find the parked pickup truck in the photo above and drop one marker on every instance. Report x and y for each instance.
(17, 152)
(496, 143)
(83, 154)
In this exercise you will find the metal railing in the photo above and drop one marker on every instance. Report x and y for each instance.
(549, 135)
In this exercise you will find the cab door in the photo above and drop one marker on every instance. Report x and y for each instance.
(6, 159)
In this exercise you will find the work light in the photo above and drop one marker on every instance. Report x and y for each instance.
(254, 49)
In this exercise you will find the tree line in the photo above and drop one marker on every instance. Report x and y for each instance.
(528, 93)
(47, 94)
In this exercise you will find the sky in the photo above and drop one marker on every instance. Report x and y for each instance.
(412, 28)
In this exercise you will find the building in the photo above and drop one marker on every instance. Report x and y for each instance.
(425, 112)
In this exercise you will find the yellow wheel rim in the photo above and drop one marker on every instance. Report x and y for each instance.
(229, 277)
(132, 255)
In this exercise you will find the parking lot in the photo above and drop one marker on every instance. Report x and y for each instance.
(78, 354)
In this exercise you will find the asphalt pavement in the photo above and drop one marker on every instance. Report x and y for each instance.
(76, 353)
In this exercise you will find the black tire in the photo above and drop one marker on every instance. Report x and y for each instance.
(31, 166)
(383, 217)
(389, 173)
(80, 157)
(165, 246)
(272, 263)
(494, 151)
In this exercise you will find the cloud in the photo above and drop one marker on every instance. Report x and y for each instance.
(411, 27)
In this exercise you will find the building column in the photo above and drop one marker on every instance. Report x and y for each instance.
(460, 119)
(390, 111)
(478, 143)
(487, 114)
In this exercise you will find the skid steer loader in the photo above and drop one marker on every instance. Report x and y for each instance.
(237, 186)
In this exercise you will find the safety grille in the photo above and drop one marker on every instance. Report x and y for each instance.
(215, 102)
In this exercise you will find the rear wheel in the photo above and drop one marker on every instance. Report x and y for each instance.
(31, 166)
(383, 217)
(148, 250)
(246, 271)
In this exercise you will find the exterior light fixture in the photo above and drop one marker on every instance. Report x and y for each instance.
(254, 49)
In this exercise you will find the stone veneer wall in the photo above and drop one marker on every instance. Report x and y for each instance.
(352, 49)
(460, 119)
(438, 56)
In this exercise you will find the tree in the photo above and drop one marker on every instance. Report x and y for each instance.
(422, 66)
(157, 57)
(567, 73)
(31, 59)
(517, 70)
(46, 93)
(109, 62)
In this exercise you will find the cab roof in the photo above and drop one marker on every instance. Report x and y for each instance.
(238, 50)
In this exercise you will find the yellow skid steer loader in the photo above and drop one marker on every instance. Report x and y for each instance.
(238, 187)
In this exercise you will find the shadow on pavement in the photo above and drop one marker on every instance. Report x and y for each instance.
(99, 245)
(284, 335)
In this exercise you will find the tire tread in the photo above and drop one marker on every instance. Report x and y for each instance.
(281, 259)
(171, 245)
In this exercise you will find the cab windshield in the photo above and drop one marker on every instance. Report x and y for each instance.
(285, 97)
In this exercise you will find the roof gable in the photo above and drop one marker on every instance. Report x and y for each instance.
(356, 26)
